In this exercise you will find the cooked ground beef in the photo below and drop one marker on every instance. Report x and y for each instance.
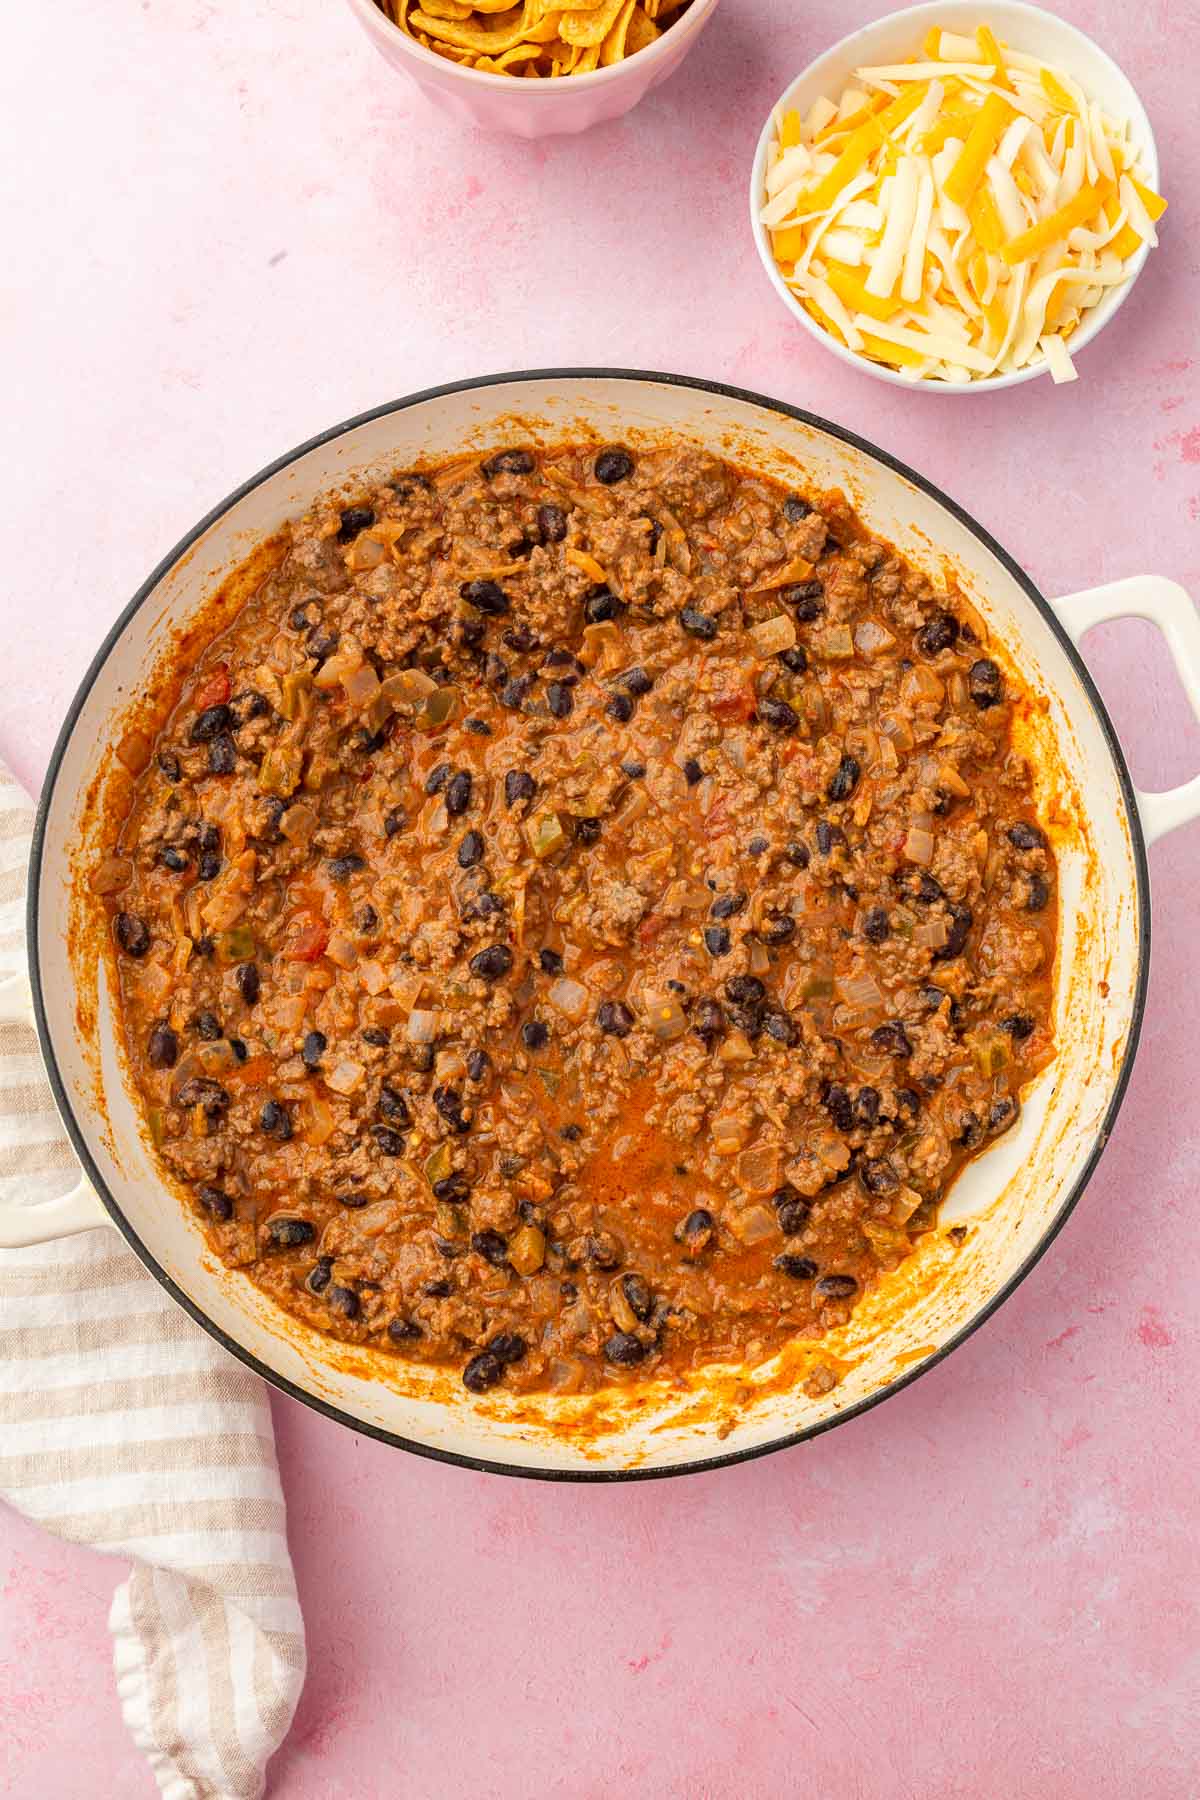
(578, 922)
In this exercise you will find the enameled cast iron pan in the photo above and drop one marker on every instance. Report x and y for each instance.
(1011, 1201)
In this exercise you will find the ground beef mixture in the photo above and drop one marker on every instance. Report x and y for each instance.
(581, 916)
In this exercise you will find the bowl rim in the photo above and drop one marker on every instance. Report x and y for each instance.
(926, 14)
(509, 1466)
(374, 19)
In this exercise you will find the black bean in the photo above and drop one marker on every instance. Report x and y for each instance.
(491, 1245)
(614, 1018)
(717, 940)
(250, 704)
(515, 693)
(437, 778)
(366, 921)
(204, 946)
(612, 466)
(844, 779)
(984, 683)
(727, 906)
(780, 929)
(320, 1275)
(909, 1101)
(758, 845)
(518, 785)
(249, 982)
(550, 962)
(508, 462)
(378, 1036)
(806, 599)
(624, 1349)
(800, 1268)
(132, 934)
(961, 921)
(276, 1121)
(620, 708)
(1019, 1026)
(508, 1347)
(698, 624)
(551, 523)
(779, 1025)
(588, 830)
(273, 811)
(211, 723)
(937, 634)
(1002, 1114)
(795, 659)
(866, 1107)
(170, 858)
(636, 681)
(778, 714)
(692, 772)
(394, 1106)
(448, 1102)
(926, 888)
(208, 1026)
(289, 1234)
(837, 1287)
(480, 727)
(341, 868)
(695, 1232)
(313, 1049)
(798, 853)
(470, 850)
(836, 1101)
(162, 1049)
(495, 669)
(354, 520)
(745, 990)
(301, 619)
(492, 963)
(876, 925)
(482, 1372)
(458, 793)
(971, 1131)
(795, 508)
(322, 644)
(402, 1331)
(560, 699)
(354, 1199)
(1024, 836)
(878, 1176)
(891, 1039)
(534, 1034)
(214, 1202)
(343, 1300)
(209, 837)
(827, 836)
(601, 605)
(209, 866)
(1039, 894)
(486, 597)
(436, 1290)
(237, 1045)
(170, 766)
(708, 1023)
(390, 1142)
(571, 1133)
(637, 1293)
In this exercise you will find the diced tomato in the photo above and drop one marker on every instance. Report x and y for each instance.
(213, 690)
(650, 928)
(254, 1073)
(309, 943)
(736, 705)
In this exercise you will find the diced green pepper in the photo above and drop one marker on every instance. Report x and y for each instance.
(551, 1080)
(438, 1165)
(279, 772)
(437, 709)
(154, 1118)
(296, 691)
(236, 945)
(817, 987)
(546, 835)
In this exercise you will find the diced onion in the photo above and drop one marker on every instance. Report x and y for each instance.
(871, 637)
(570, 997)
(918, 845)
(345, 1077)
(931, 934)
(422, 1026)
(859, 991)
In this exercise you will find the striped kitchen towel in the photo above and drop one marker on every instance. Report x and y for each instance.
(123, 1426)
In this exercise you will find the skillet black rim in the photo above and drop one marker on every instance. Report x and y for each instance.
(482, 1464)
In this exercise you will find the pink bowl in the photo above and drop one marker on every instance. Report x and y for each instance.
(533, 109)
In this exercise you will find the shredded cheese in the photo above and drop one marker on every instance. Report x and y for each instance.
(956, 216)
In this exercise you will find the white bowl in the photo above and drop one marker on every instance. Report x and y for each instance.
(533, 109)
(892, 39)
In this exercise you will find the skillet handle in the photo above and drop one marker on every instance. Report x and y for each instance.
(1168, 606)
(43, 1220)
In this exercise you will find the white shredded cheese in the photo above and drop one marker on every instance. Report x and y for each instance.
(900, 213)
(1058, 359)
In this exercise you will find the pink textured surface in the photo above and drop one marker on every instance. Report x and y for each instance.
(230, 226)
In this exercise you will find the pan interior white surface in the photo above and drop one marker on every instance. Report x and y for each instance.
(1011, 1197)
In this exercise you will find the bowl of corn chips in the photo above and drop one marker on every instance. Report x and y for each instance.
(959, 196)
(536, 67)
